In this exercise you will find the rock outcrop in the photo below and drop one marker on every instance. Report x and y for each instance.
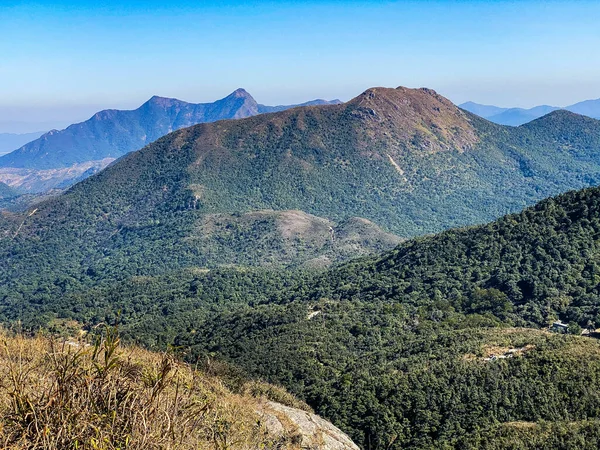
(311, 431)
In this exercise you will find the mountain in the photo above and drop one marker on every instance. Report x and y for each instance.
(212, 239)
(10, 141)
(60, 158)
(484, 111)
(520, 116)
(112, 133)
(269, 109)
(589, 108)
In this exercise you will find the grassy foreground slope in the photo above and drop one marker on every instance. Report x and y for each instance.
(66, 394)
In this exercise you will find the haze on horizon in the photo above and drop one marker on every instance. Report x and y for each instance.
(65, 60)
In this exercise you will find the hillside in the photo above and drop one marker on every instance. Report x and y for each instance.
(6, 192)
(440, 342)
(61, 158)
(272, 238)
(422, 347)
(418, 348)
(69, 394)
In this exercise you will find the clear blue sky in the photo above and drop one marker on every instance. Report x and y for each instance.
(62, 60)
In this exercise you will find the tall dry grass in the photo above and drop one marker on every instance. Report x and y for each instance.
(69, 395)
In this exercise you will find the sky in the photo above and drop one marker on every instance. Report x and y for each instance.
(63, 60)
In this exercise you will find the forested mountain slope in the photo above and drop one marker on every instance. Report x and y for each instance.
(541, 264)
(417, 348)
(439, 342)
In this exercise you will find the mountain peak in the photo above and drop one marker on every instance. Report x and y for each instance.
(557, 120)
(163, 102)
(243, 103)
(561, 114)
(401, 96)
(240, 93)
(405, 113)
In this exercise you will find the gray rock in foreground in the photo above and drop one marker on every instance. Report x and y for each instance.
(313, 432)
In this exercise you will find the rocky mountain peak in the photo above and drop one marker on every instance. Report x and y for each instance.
(420, 116)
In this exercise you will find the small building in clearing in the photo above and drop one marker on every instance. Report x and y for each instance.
(559, 327)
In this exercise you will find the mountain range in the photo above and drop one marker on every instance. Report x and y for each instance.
(404, 161)
(58, 159)
(224, 240)
(520, 116)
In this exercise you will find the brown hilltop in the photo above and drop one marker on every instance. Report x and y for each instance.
(418, 118)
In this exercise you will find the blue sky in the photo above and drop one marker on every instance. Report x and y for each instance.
(62, 60)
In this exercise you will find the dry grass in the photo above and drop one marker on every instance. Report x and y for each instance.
(65, 395)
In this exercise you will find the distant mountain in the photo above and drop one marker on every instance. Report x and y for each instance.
(271, 109)
(520, 116)
(59, 158)
(10, 141)
(590, 108)
(112, 133)
(482, 110)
